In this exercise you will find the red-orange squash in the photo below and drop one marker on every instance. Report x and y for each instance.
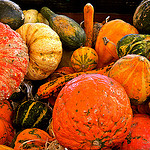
(133, 73)
(138, 138)
(13, 61)
(110, 33)
(92, 111)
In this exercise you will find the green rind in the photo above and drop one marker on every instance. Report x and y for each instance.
(134, 44)
(31, 114)
(77, 35)
(11, 14)
(141, 17)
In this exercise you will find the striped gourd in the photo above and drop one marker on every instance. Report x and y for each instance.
(31, 114)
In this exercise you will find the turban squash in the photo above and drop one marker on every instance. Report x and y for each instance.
(14, 61)
(45, 49)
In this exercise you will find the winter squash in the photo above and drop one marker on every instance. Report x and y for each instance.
(4, 147)
(6, 110)
(88, 13)
(32, 138)
(110, 33)
(134, 44)
(7, 132)
(25, 116)
(45, 49)
(51, 87)
(133, 73)
(69, 31)
(33, 16)
(84, 59)
(14, 61)
(141, 17)
(92, 111)
(138, 137)
(11, 14)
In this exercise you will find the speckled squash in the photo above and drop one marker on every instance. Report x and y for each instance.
(141, 17)
(133, 73)
(92, 111)
(70, 32)
(14, 61)
(45, 49)
(134, 44)
(138, 138)
(84, 59)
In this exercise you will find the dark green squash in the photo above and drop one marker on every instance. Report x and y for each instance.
(70, 32)
(31, 114)
(11, 14)
(134, 44)
(141, 17)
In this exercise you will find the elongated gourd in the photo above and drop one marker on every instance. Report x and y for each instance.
(88, 23)
(49, 88)
(70, 32)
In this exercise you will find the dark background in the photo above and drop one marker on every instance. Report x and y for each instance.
(76, 6)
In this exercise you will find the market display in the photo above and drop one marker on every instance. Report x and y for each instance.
(71, 85)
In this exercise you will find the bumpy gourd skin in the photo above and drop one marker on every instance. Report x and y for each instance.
(92, 111)
(13, 61)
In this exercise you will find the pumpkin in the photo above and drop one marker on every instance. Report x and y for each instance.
(138, 137)
(92, 111)
(54, 86)
(14, 61)
(33, 16)
(6, 110)
(110, 33)
(45, 49)
(11, 14)
(70, 32)
(134, 44)
(88, 13)
(4, 147)
(141, 17)
(7, 132)
(84, 59)
(32, 138)
(25, 116)
(133, 73)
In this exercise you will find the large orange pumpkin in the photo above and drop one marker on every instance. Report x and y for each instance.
(110, 33)
(133, 73)
(92, 111)
(13, 61)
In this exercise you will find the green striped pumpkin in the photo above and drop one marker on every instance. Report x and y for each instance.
(32, 114)
(134, 44)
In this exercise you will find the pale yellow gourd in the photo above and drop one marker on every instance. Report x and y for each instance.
(45, 49)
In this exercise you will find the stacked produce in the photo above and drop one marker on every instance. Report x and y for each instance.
(69, 85)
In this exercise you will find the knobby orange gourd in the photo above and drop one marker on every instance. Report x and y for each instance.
(88, 23)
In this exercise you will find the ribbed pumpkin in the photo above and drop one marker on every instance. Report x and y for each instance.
(110, 33)
(13, 61)
(134, 44)
(45, 49)
(141, 17)
(92, 111)
(30, 114)
(138, 138)
(84, 59)
(133, 73)
(32, 138)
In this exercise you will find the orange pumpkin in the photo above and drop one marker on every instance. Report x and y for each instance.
(133, 73)
(7, 132)
(110, 33)
(32, 138)
(6, 110)
(84, 59)
(4, 147)
(92, 111)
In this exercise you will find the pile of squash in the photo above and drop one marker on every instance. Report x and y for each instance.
(69, 85)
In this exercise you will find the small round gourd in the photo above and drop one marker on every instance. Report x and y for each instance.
(84, 59)
(45, 49)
